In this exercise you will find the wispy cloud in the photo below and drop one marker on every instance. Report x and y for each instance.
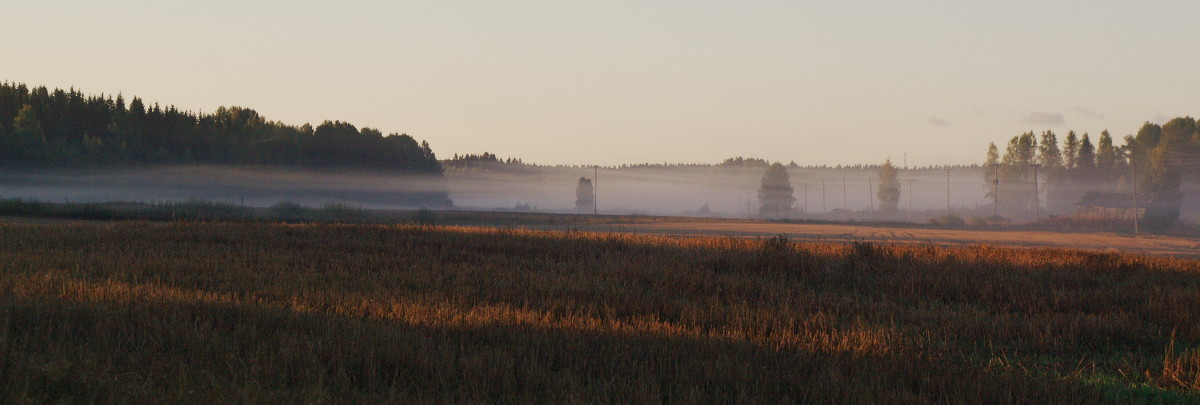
(1045, 118)
(939, 122)
(1088, 113)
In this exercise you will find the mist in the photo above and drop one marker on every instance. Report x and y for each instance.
(248, 186)
(727, 192)
(695, 191)
(821, 193)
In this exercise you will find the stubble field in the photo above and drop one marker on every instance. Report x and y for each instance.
(261, 312)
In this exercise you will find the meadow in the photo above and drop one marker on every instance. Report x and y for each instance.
(232, 312)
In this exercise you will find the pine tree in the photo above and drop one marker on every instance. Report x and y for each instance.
(889, 187)
(775, 196)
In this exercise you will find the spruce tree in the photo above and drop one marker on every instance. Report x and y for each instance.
(1049, 155)
(1106, 154)
(889, 187)
(1086, 161)
(775, 192)
(1071, 151)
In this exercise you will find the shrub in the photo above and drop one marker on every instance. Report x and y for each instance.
(424, 216)
(947, 220)
(22, 206)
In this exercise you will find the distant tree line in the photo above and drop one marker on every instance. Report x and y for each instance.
(488, 160)
(1161, 153)
(69, 128)
(482, 160)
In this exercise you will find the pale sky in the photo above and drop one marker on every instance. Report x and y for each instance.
(611, 82)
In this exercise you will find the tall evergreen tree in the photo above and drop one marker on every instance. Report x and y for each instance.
(1106, 154)
(889, 187)
(1071, 151)
(1086, 161)
(775, 193)
(1021, 152)
(1049, 155)
(1016, 173)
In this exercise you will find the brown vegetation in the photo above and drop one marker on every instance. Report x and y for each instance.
(253, 312)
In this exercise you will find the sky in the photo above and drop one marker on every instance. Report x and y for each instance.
(612, 82)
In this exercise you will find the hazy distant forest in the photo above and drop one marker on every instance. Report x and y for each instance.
(1157, 160)
(66, 128)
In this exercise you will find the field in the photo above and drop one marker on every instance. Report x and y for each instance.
(265, 312)
(1095, 241)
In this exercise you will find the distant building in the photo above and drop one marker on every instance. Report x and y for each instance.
(1122, 206)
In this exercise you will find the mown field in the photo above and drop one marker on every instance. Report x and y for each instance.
(136, 312)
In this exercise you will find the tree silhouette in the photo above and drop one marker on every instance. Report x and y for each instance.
(28, 138)
(775, 193)
(1086, 162)
(585, 195)
(990, 166)
(889, 187)
(68, 128)
(1071, 151)
(1106, 155)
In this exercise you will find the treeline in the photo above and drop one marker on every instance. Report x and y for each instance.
(488, 160)
(1159, 154)
(69, 128)
(481, 160)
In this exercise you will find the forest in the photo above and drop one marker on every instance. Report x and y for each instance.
(1155, 161)
(67, 128)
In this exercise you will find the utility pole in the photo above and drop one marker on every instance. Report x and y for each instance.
(805, 198)
(947, 194)
(1133, 167)
(905, 160)
(870, 201)
(910, 182)
(824, 210)
(995, 190)
(596, 190)
(845, 204)
(1037, 215)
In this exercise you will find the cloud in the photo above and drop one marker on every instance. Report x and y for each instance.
(939, 122)
(1088, 113)
(1045, 118)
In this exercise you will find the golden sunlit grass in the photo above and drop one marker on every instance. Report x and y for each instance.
(253, 312)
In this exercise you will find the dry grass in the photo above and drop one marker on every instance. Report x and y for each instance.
(204, 312)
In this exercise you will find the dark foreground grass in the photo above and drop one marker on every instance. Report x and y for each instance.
(231, 313)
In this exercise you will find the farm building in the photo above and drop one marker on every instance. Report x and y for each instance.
(1121, 206)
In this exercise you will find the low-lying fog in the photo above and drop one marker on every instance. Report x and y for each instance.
(833, 194)
(249, 186)
(726, 192)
